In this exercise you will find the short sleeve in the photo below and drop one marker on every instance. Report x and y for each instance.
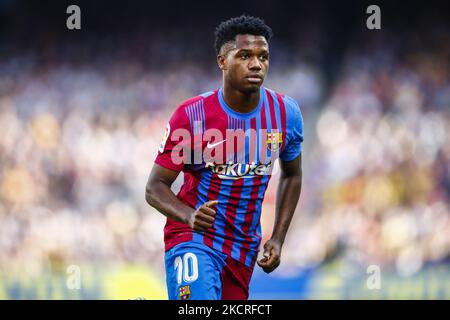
(294, 130)
(170, 151)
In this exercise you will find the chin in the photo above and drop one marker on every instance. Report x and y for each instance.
(251, 89)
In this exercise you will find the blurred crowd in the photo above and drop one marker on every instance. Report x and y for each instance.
(78, 141)
(378, 182)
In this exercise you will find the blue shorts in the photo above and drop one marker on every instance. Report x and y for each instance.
(197, 272)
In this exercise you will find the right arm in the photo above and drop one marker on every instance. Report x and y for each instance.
(164, 172)
(159, 195)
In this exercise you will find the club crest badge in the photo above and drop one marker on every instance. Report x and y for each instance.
(185, 293)
(274, 140)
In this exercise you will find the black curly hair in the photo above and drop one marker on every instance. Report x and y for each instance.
(228, 30)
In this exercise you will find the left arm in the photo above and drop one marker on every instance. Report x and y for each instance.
(288, 193)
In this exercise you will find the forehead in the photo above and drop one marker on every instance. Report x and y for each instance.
(249, 41)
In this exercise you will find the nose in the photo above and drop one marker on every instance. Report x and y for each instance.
(254, 64)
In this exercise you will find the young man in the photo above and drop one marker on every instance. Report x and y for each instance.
(226, 142)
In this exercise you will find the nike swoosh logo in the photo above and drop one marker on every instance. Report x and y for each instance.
(209, 146)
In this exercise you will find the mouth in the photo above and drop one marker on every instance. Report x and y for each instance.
(254, 78)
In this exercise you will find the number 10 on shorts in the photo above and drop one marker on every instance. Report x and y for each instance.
(187, 268)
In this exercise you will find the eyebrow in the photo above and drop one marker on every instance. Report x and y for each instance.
(249, 50)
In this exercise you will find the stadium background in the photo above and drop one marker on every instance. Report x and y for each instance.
(82, 113)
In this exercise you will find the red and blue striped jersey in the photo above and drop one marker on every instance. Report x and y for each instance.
(228, 156)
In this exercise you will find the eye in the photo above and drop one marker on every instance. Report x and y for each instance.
(244, 56)
(264, 57)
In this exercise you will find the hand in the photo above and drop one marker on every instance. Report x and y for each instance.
(203, 218)
(272, 255)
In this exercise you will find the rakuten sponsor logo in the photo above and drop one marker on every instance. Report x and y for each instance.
(235, 171)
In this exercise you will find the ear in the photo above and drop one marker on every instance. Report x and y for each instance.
(222, 62)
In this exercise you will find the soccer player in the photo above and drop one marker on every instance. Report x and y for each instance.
(226, 142)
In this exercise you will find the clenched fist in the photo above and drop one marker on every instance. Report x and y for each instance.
(272, 255)
(203, 218)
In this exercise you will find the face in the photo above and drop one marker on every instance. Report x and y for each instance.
(245, 62)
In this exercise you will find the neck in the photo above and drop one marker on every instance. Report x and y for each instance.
(243, 102)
